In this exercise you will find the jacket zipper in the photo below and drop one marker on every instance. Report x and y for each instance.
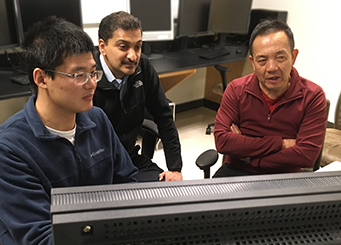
(282, 103)
(79, 167)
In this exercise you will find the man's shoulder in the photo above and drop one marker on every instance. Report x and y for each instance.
(98, 116)
(14, 127)
(242, 83)
(310, 84)
(13, 121)
(95, 113)
(244, 80)
(310, 87)
(304, 84)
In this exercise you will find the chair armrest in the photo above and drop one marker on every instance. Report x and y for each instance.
(207, 159)
(151, 127)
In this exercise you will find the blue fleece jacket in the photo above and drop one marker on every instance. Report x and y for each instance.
(32, 161)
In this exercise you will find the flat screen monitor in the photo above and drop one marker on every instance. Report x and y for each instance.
(156, 17)
(229, 16)
(192, 17)
(300, 208)
(35, 10)
(9, 36)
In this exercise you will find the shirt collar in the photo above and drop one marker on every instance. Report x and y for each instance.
(109, 75)
(106, 69)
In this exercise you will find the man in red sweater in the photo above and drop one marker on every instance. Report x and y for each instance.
(271, 121)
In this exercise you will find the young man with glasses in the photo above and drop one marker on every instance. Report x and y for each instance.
(59, 139)
(128, 86)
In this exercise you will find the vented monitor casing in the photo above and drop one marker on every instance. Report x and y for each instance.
(302, 208)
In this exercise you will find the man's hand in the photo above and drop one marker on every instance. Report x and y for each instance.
(286, 143)
(234, 128)
(170, 176)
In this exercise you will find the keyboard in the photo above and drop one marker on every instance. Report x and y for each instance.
(20, 78)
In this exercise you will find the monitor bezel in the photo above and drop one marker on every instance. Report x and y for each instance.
(17, 42)
(161, 35)
(20, 19)
(182, 18)
(212, 20)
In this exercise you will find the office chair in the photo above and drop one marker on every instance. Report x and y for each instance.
(150, 133)
(219, 89)
(332, 141)
(209, 157)
(150, 136)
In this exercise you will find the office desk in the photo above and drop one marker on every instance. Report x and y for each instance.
(185, 60)
(9, 89)
(173, 68)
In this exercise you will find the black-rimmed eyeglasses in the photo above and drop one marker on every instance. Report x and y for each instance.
(81, 77)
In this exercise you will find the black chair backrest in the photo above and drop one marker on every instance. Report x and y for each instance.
(318, 160)
(337, 117)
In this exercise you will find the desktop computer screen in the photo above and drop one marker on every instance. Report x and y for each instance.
(156, 17)
(192, 17)
(9, 36)
(230, 16)
(282, 209)
(34, 10)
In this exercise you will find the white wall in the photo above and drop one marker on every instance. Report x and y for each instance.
(94, 11)
(315, 24)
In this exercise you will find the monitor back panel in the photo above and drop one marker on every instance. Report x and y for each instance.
(277, 209)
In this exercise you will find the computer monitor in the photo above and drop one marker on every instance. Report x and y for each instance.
(192, 20)
(156, 17)
(229, 17)
(35, 10)
(299, 208)
(192, 17)
(9, 36)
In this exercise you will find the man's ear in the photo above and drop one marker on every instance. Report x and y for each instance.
(102, 46)
(294, 56)
(39, 77)
(251, 60)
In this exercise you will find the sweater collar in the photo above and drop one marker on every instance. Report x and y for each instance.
(39, 130)
(295, 88)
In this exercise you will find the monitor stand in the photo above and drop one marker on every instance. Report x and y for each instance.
(222, 40)
(154, 56)
(146, 49)
(183, 43)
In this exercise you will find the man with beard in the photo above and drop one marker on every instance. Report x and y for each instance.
(129, 85)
